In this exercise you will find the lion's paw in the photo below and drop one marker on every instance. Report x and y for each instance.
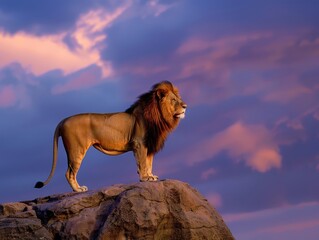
(152, 178)
(84, 188)
(81, 189)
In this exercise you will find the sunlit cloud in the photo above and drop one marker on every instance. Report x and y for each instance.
(287, 220)
(89, 34)
(242, 64)
(252, 144)
(291, 227)
(41, 54)
(209, 55)
(200, 44)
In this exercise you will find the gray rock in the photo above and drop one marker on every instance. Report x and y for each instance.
(167, 209)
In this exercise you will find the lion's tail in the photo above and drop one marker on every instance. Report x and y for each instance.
(55, 154)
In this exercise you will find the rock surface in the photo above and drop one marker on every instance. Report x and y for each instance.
(167, 209)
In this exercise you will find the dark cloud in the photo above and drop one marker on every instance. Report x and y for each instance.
(45, 17)
(41, 17)
(143, 39)
(225, 16)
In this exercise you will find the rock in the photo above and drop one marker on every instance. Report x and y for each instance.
(167, 209)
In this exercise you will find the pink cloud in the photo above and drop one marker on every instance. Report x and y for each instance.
(316, 115)
(158, 8)
(8, 96)
(208, 173)
(252, 144)
(210, 55)
(290, 227)
(87, 78)
(286, 91)
(196, 44)
(295, 124)
(284, 221)
(14, 96)
(215, 199)
(49, 52)
(257, 52)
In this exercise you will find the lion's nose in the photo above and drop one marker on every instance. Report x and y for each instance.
(184, 105)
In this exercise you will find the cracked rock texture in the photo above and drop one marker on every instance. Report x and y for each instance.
(167, 209)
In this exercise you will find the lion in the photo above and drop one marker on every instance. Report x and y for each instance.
(142, 128)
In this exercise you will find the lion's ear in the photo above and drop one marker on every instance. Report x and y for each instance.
(160, 93)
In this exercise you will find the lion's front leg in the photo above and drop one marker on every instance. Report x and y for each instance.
(149, 164)
(144, 165)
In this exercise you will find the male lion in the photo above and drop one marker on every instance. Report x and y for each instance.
(142, 128)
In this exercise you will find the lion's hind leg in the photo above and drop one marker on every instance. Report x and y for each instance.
(74, 164)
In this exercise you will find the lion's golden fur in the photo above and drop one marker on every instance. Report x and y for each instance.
(142, 128)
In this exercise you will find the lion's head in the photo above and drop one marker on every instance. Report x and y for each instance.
(161, 108)
(170, 103)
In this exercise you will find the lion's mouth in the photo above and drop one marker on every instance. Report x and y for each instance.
(180, 115)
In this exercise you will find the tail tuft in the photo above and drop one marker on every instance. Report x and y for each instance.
(39, 185)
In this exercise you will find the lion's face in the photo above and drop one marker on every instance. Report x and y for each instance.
(172, 106)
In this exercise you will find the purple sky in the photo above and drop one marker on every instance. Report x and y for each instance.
(248, 71)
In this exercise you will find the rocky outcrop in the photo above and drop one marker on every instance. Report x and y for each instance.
(167, 209)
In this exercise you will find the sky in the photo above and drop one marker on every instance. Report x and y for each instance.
(248, 71)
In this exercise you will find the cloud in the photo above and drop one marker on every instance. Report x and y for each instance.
(84, 78)
(215, 199)
(252, 144)
(7, 96)
(207, 173)
(90, 33)
(259, 50)
(284, 93)
(199, 44)
(269, 65)
(206, 55)
(41, 54)
(159, 8)
(14, 84)
(40, 17)
(288, 221)
(145, 39)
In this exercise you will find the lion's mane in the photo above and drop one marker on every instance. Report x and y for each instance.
(157, 124)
